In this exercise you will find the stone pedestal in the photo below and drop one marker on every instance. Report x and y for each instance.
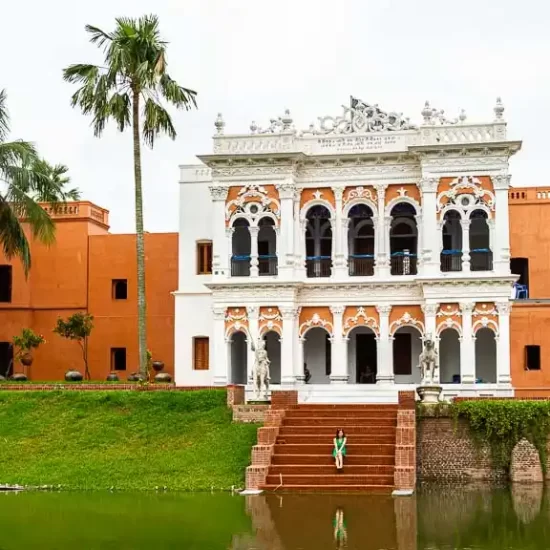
(429, 394)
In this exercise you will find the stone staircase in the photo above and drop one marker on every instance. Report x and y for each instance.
(301, 458)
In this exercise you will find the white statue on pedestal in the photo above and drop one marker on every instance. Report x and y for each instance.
(260, 372)
(428, 362)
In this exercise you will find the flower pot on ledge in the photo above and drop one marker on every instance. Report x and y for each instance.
(112, 377)
(136, 377)
(163, 378)
(19, 377)
(158, 366)
(27, 359)
(73, 376)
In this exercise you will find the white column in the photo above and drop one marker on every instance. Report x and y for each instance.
(254, 271)
(430, 311)
(345, 247)
(287, 344)
(302, 241)
(428, 234)
(501, 250)
(503, 343)
(285, 244)
(220, 264)
(339, 349)
(467, 346)
(299, 358)
(420, 269)
(382, 260)
(492, 236)
(220, 359)
(338, 265)
(299, 240)
(465, 245)
(384, 347)
(252, 312)
(228, 248)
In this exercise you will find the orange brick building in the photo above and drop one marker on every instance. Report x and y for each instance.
(88, 269)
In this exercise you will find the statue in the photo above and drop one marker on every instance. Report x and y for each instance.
(428, 361)
(260, 371)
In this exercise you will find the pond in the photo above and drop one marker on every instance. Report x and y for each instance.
(436, 518)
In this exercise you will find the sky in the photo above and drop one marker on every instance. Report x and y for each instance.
(252, 59)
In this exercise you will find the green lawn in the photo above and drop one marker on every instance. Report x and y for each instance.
(122, 439)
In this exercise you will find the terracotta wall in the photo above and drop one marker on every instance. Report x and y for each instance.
(75, 274)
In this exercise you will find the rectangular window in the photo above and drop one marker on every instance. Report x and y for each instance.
(532, 357)
(118, 358)
(5, 283)
(201, 353)
(204, 257)
(6, 359)
(402, 354)
(120, 289)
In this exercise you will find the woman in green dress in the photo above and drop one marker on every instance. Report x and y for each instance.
(339, 451)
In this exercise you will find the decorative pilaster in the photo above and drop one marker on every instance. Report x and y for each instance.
(345, 246)
(339, 374)
(285, 246)
(465, 245)
(254, 263)
(501, 250)
(503, 343)
(220, 348)
(303, 252)
(220, 255)
(252, 313)
(299, 239)
(382, 235)
(339, 268)
(467, 346)
(299, 362)
(428, 235)
(384, 348)
(290, 322)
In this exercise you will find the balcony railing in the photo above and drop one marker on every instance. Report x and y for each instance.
(451, 260)
(481, 259)
(361, 265)
(318, 266)
(240, 266)
(403, 263)
(267, 265)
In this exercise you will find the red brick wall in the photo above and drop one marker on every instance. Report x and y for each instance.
(405, 444)
(284, 399)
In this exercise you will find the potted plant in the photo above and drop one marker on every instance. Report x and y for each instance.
(25, 343)
(77, 327)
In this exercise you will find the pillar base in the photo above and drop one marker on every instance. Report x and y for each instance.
(339, 378)
(467, 379)
(505, 379)
(300, 379)
(288, 380)
(220, 381)
(385, 380)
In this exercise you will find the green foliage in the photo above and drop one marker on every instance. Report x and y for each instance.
(27, 340)
(128, 440)
(502, 423)
(77, 327)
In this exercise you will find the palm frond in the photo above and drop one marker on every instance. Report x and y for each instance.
(80, 72)
(182, 98)
(99, 37)
(4, 116)
(156, 121)
(12, 237)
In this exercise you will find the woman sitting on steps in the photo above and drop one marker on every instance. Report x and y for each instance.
(339, 451)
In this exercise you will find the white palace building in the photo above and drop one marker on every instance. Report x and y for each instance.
(343, 246)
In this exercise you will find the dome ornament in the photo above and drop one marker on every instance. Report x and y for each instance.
(219, 124)
(499, 110)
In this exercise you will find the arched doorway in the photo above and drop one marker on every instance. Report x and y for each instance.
(362, 357)
(267, 247)
(407, 347)
(481, 256)
(273, 348)
(486, 356)
(318, 355)
(449, 357)
(403, 239)
(239, 358)
(318, 242)
(361, 241)
(240, 248)
(451, 255)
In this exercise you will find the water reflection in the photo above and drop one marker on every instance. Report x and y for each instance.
(437, 518)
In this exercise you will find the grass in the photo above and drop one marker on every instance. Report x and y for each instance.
(124, 440)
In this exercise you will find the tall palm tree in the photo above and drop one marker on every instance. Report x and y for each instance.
(25, 180)
(128, 88)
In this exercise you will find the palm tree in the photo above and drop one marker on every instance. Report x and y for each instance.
(129, 87)
(24, 181)
(55, 179)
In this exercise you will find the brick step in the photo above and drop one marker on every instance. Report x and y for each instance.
(363, 406)
(370, 489)
(317, 469)
(327, 460)
(330, 413)
(330, 431)
(334, 479)
(319, 449)
(316, 438)
(340, 422)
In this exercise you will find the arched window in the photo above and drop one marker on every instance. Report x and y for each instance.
(241, 246)
(449, 357)
(361, 241)
(267, 247)
(403, 239)
(481, 256)
(318, 242)
(451, 254)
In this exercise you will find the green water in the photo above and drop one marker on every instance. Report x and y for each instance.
(443, 519)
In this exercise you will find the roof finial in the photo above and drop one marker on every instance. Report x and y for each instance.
(219, 124)
(462, 116)
(286, 119)
(427, 113)
(253, 127)
(499, 110)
